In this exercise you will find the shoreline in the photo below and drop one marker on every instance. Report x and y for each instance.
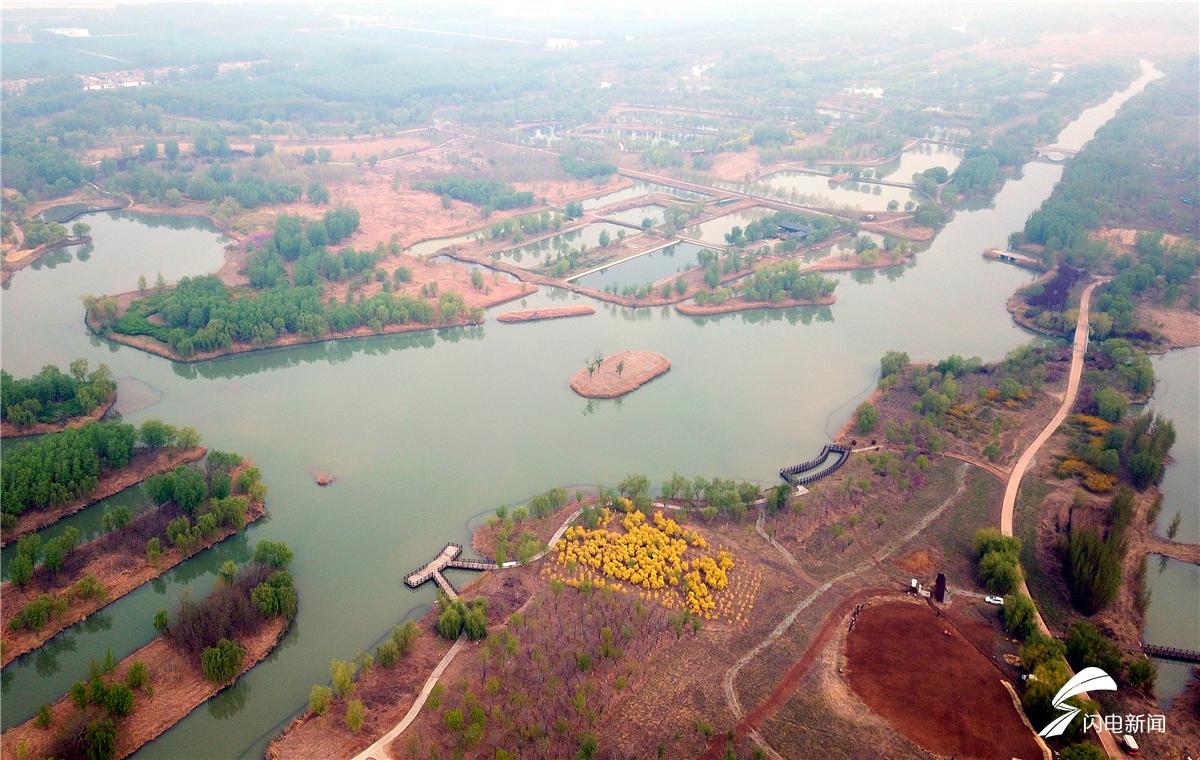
(733, 305)
(109, 484)
(9, 430)
(9, 267)
(646, 367)
(534, 315)
(152, 346)
(118, 580)
(177, 688)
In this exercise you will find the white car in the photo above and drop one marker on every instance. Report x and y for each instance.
(997, 600)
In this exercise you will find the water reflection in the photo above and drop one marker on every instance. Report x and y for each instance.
(337, 351)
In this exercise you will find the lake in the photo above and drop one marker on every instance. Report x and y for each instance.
(425, 432)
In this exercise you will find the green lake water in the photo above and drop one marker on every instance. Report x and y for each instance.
(426, 431)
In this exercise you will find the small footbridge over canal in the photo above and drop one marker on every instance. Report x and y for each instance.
(818, 467)
(447, 560)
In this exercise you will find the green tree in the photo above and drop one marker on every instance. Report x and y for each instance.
(101, 740)
(275, 554)
(867, 417)
(1087, 647)
(1020, 617)
(171, 149)
(343, 677)
(1141, 673)
(149, 150)
(222, 662)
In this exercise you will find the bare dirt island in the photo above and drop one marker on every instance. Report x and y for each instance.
(533, 315)
(619, 374)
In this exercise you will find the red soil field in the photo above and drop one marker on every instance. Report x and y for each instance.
(932, 685)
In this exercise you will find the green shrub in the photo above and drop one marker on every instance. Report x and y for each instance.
(319, 699)
(404, 635)
(1087, 647)
(388, 654)
(1141, 673)
(119, 700)
(138, 675)
(356, 714)
(44, 717)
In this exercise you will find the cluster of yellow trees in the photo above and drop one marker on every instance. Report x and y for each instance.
(652, 556)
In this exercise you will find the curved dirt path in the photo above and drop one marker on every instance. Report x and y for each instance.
(1018, 472)
(1077, 354)
(743, 728)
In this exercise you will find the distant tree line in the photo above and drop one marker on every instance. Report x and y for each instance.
(485, 193)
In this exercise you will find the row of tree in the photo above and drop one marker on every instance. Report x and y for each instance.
(53, 396)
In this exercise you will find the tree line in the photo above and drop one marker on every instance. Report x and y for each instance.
(62, 466)
(52, 396)
(486, 193)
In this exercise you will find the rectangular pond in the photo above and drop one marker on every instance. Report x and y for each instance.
(432, 246)
(817, 190)
(644, 269)
(921, 157)
(547, 250)
(636, 215)
(639, 189)
(713, 231)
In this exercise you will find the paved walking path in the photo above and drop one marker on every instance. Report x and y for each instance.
(1018, 472)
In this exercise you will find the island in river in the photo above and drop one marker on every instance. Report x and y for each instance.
(619, 374)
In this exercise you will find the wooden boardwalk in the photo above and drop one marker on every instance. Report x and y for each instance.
(447, 559)
(1172, 653)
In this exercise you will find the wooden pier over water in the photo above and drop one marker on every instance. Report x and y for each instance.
(447, 559)
(1171, 653)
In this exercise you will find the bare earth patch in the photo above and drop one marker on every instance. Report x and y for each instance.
(636, 368)
(1180, 327)
(918, 671)
(536, 314)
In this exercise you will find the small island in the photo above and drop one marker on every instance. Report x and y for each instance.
(618, 374)
(533, 315)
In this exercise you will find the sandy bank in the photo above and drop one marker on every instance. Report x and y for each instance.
(619, 374)
(534, 315)
(176, 684)
(736, 304)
